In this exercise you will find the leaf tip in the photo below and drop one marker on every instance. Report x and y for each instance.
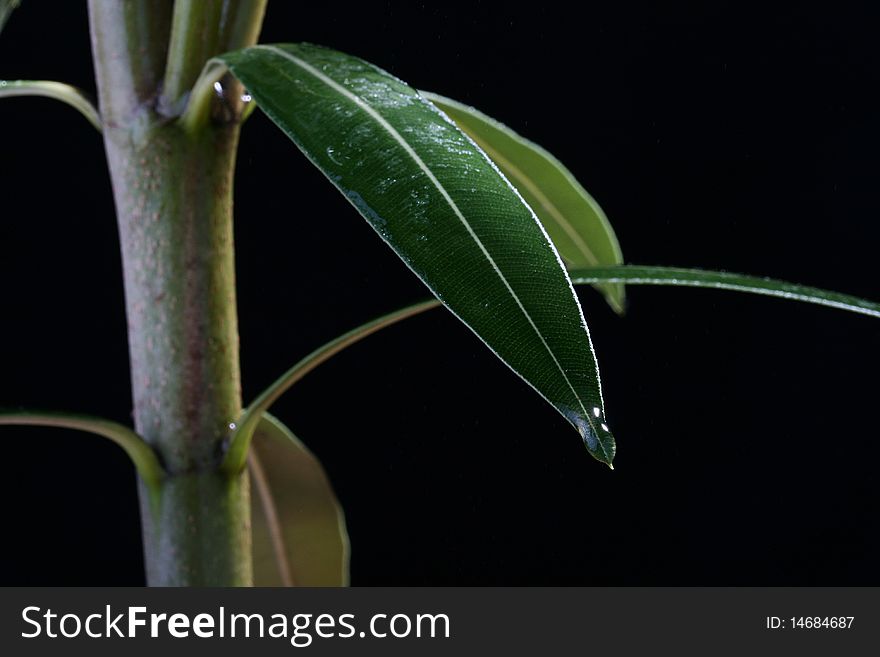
(596, 435)
(615, 297)
(603, 447)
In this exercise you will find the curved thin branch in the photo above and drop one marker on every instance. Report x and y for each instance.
(198, 107)
(236, 455)
(140, 453)
(718, 280)
(58, 90)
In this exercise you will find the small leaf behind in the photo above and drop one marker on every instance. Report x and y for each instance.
(573, 219)
(299, 535)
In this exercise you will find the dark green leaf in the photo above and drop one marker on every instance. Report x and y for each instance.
(573, 219)
(444, 208)
(299, 535)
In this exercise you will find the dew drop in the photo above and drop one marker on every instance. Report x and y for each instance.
(331, 153)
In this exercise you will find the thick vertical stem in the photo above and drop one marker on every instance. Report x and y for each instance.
(173, 192)
(129, 40)
(174, 203)
(173, 195)
(200, 533)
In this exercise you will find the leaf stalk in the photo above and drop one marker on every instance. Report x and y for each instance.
(141, 454)
(74, 97)
(236, 454)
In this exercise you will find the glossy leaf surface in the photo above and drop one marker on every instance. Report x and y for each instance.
(299, 535)
(573, 219)
(444, 208)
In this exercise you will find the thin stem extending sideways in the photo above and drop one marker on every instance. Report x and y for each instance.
(140, 453)
(719, 280)
(236, 455)
(74, 97)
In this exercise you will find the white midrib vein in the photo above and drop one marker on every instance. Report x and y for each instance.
(458, 213)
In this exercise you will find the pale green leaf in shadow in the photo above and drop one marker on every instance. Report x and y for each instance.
(299, 535)
(573, 219)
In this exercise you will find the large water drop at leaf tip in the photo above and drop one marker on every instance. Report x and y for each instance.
(598, 440)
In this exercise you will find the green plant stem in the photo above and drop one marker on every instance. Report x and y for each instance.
(718, 280)
(200, 535)
(173, 193)
(129, 41)
(240, 23)
(203, 97)
(195, 34)
(236, 454)
(174, 201)
(56, 90)
(201, 29)
(143, 457)
(628, 274)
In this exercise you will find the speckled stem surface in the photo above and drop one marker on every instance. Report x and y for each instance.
(173, 193)
(174, 206)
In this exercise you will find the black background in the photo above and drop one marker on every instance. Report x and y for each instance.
(713, 135)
